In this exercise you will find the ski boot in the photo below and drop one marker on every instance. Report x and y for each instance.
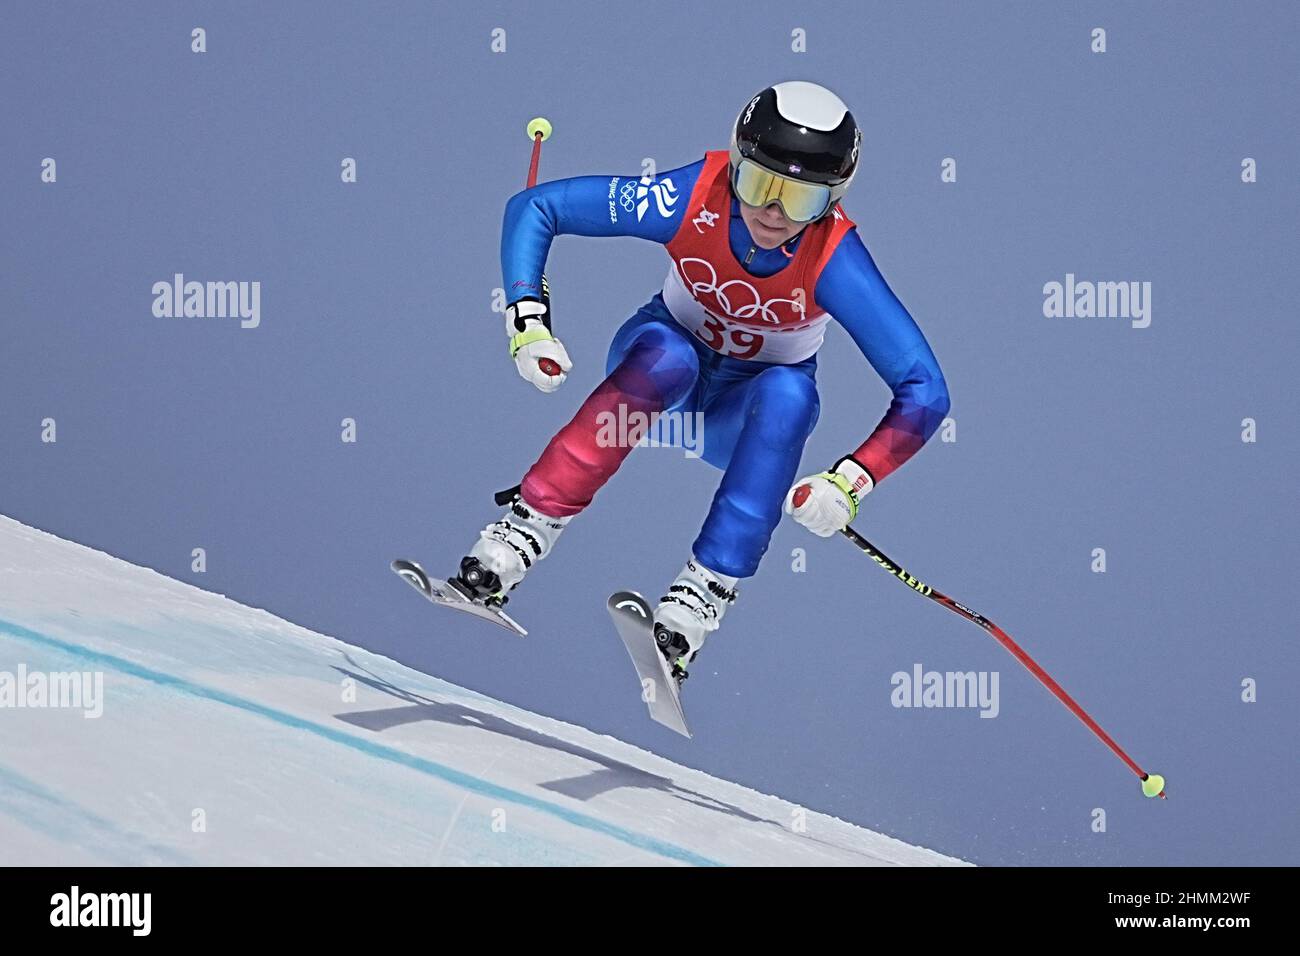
(689, 612)
(504, 552)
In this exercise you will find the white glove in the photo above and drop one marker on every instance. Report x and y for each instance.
(825, 503)
(539, 356)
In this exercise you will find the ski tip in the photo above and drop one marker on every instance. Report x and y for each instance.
(414, 575)
(629, 601)
(675, 723)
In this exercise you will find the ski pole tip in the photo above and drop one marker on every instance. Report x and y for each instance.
(1153, 785)
(539, 125)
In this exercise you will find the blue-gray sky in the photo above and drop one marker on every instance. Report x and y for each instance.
(1071, 434)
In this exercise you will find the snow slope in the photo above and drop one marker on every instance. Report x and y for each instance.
(229, 736)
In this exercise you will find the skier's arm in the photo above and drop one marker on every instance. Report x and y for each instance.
(852, 289)
(586, 206)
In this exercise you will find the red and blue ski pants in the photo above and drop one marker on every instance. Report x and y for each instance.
(756, 417)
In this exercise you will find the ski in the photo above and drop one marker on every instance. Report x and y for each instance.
(634, 621)
(448, 595)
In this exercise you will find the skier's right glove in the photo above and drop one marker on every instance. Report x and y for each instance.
(539, 355)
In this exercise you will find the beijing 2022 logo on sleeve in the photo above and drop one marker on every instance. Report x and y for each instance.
(665, 196)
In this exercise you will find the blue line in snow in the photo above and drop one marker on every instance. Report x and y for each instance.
(94, 833)
(380, 751)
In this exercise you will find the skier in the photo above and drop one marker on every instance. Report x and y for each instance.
(762, 256)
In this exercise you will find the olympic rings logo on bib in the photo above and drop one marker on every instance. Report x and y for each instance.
(717, 298)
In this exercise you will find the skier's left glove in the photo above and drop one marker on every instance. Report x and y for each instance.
(825, 503)
(539, 356)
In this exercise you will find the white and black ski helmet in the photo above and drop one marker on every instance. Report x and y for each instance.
(801, 131)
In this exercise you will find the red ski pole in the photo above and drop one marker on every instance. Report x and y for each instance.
(1153, 785)
(539, 130)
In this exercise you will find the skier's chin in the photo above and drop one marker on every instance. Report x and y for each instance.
(768, 238)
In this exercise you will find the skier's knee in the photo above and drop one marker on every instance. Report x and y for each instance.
(786, 404)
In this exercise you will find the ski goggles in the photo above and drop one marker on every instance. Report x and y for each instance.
(756, 185)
